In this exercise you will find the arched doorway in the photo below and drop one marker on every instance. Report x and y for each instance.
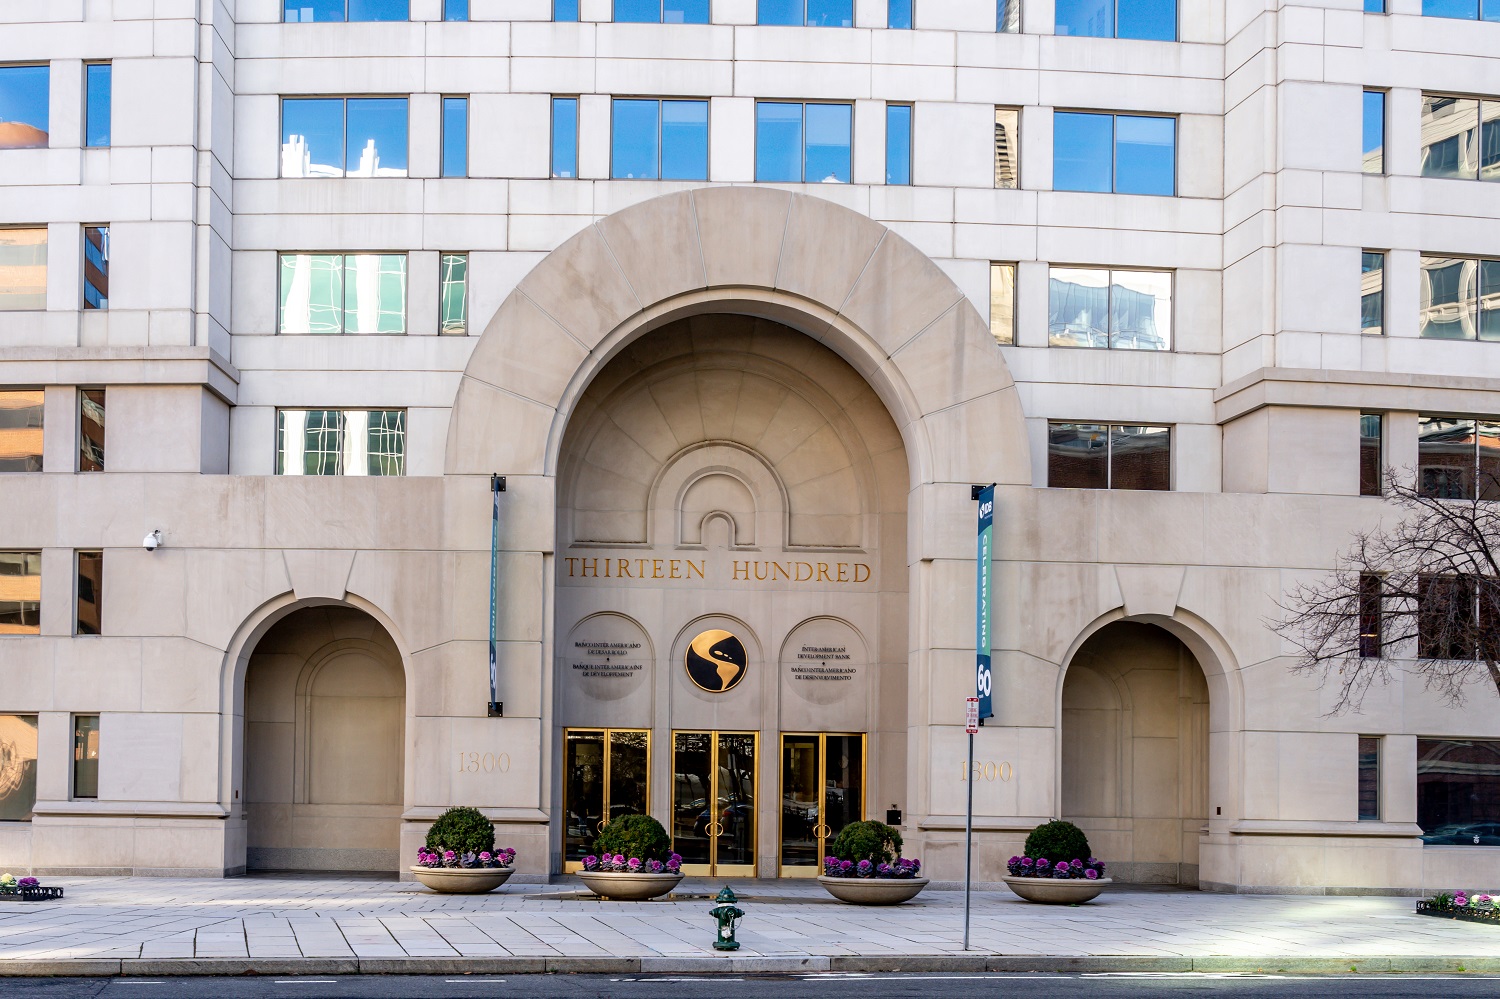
(325, 706)
(1135, 745)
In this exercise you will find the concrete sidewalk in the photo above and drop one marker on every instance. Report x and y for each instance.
(155, 926)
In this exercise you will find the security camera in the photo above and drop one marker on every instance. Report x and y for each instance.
(152, 541)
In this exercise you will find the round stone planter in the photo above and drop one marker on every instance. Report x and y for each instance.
(622, 886)
(1057, 891)
(463, 880)
(872, 891)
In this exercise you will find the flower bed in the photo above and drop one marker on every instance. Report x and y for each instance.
(620, 864)
(1063, 870)
(450, 860)
(1472, 907)
(26, 889)
(900, 869)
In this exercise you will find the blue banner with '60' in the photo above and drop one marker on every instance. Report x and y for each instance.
(983, 678)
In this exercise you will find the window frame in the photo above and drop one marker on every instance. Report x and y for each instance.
(455, 20)
(344, 99)
(566, 20)
(1480, 101)
(661, 14)
(83, 398)
(343, 433)
(44, 65)
(1377, 752)
(1171, 346)
(443, 136)
(1015, 185)
(1476, 470)
(1110, 426)
(552, 134)
(346, 20)
(1114, 25)
(443, 255)
(1380, 328)
(88, 104)
(1004, 23)
(911, 144)
(25, 554)
(911, 14)
(343, 256)
(98, 731)
(78, 556)
(1479, 312)
(755, 150)
(35, 719)
(83, 269)
(1114, 150)
(1014, 266)
(853, 18)
(660, 137)
(1385, 105)
(1379, 486)
(40, 408)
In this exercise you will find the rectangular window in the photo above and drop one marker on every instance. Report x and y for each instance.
(85, 756)
(1369, 778)
(1458, 792)
(1374, 6)
(23, 267)
(1008, 16)
(338, 136)
(333, 293)
(1372, 292)
(1371, 465)
(18, 789)
(95, 267)
(1097, 307)
(809, 143)
(662, 11)
(1152, 20)
(659, 140)
(340, 442)
(1003, 302)
(1374, 131)
(814, 13)
(455, 137)
(565, 137)
(89, 611)
(91, 430)
(20, 593)
(1126, 154)
(1460, 137)
(1459, 298)
(21, 431)
(455, 10)
(898, 14)
(453, 294)
(898, 143)
(1456, 456)
(564, 10)
(1371, 616)
(24, 95)
(351, 10)
(1098, 456)
(1008, 148)
(1471, 10)
(97, 99)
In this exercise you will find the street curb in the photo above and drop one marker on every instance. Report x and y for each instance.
(735, 964)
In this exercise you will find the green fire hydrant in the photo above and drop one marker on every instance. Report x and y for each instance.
(728, 917)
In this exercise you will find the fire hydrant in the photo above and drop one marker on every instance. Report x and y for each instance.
(728, 917)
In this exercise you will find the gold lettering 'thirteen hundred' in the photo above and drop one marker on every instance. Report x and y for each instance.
(740, 570)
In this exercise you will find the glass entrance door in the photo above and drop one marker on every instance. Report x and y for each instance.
(606, 774)
(822, 791)
(713, 802)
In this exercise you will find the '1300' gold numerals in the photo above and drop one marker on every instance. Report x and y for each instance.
(986, 770)
(490, 763)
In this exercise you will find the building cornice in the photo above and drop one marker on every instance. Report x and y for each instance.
(1367, 390)
(37, 366)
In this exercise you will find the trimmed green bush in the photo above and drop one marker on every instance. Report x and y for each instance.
(462, 830)
(868, 840)
(1058, 841)
(638, 836)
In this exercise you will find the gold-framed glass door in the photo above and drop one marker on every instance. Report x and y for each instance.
(606, 774)
(714, 792)
(822, 791)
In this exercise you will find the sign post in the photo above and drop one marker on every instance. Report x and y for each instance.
(979, 706)
(497, 486)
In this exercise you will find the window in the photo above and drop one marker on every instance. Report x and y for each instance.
(815, 13)
(95, 267)
(565, 137)
(455, 10)
(662, 11)
(18, 789)
(1458, 617)
(24, 95)
(350, 10)
(453, 294)
(20, 593)
(1371, 434)
(338, 137)
(96, 108)
(898, 143)
(803, 142)
(1098, 456)
(340, 442)
(88, 613)
(1458, 792)
(331, 293)
(85, 756)
(1461, 136)
(1008, 16)
(1460, 299)
(1374, 131)
(1369, 778)
(1371, 616)
(1126, 154)
(23, 268)
(564, 10)
(21, 431)
(1372, 292)
(1374, 6)
(1454, 455)
(659, 140)
(91, 430)
(1472, 10)
(1008, 148)
(898, 14)
(455, 137)
(1096, 307)
(1153, 20)
(1003, 302)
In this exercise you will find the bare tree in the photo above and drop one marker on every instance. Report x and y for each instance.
(1420, 594)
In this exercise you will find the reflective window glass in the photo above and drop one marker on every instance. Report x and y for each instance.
(18, 767)
(455, 137)
(1140, 310)
(1008, 16)
(379, 10)
(1003, 302)
(1451, 8)
(97, 98)
(778, 142)
(565, 137)
(341, 442)
(91, 430)
(1077, 456)
(20, 587)
(1458, 792)
(779, 11)
(453, 294)
(1094, 18)
(85, 756)
(21, 431)
(1150, 20)
(1487, 437)
(638, 10)
(1488, 326)
(1145, 155)
(312, 294)
(313, 10)
(684, 140)
(1096, 307)
(23, 269)
(1140, 458)
(1448, 296)
(375, 293)
(1371, 615)
(1489, 136)
(1371, 463)
(564, 10)
(1374, 6)
(1446, 456)
(684, 11)
(95, 267)
(455, 10)
(1082, 154)
(1369, 777)
(1374, 131)
(830, 13)
(635, 132)
(1078, 307)
(1372, 293)
(1450, 136)
(898, 14)
(87, 612)
(312, 137)
(829, 134)
(376, 144)
(24, 112)
(898, 143)
(1007, 148)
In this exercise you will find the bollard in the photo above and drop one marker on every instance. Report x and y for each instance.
(729, 918)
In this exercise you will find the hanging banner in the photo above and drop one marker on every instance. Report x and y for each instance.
(983, 680)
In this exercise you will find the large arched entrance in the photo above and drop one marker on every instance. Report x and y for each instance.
(1135, 748)
(325, 706)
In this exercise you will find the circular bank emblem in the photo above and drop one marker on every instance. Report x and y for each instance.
(716, 661)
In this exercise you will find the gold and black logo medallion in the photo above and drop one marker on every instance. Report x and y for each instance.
(716, 661)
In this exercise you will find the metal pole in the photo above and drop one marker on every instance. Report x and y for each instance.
(497, 486)
(968, 835)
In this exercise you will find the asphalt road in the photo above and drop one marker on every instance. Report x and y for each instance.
(809, 986)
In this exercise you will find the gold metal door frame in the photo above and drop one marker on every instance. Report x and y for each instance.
(574, 866)
(714, 869)
(821, 830)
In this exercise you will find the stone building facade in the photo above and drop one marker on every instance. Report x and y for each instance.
(738, 419)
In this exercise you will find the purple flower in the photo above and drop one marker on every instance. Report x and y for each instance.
(633, 864)
(28, 883)
(590, 863)
(1042, 863)
(654, 866)
(846, 868)
(485, 856)
(1091, 874)
(674, 864)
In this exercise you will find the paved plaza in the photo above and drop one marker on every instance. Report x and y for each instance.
(324, 925)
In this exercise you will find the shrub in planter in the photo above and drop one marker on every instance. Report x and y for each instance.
(470, 860)
(868, 840)
(461, 830)
(635, 844)
(1040, 867)
(1055, 841)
